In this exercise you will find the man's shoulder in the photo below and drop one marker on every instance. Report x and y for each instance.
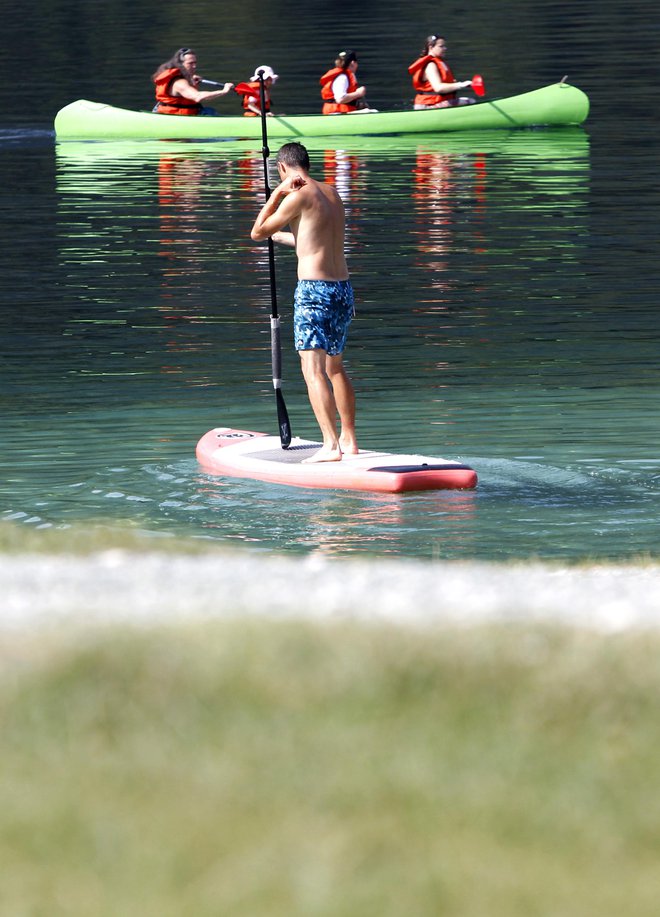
(312, 190)
(326, 189)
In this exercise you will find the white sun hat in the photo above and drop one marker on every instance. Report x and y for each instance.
(267, 72)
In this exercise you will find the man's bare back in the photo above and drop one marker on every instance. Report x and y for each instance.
(318, 231)
(315, 213)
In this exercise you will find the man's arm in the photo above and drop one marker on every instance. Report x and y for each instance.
(284, 238)
(278, 211)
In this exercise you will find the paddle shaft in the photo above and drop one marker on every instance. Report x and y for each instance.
(212, 83)
(275, 342)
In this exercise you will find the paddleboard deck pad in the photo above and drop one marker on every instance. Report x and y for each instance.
(244, 454)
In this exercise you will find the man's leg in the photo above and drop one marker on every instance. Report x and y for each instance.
(322, 399)
(344, 393)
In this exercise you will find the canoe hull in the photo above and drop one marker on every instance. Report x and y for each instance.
(555, 105)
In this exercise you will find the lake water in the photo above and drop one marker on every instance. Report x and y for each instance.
(507, 288)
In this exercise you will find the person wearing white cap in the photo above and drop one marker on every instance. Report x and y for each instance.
(251, 91)
(267, 72)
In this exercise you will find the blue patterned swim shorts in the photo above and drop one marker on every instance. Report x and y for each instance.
(322, 312)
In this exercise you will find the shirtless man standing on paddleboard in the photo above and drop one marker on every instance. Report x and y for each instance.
(323, 301)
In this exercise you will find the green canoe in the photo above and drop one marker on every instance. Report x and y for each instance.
(558, 104)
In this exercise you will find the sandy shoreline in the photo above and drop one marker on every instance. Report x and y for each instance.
(40, 590)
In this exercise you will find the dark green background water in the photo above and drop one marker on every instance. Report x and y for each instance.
(507, 284)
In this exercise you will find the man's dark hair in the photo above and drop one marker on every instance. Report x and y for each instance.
(294, 155)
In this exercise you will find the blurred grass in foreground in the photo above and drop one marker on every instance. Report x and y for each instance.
(86, 539)
(285, 769)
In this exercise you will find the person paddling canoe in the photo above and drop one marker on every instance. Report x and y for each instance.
(433, 80)
(177, 84)
(339, 88)
(323, 301)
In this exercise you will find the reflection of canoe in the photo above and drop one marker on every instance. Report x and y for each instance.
(117, 165)
(557, 157)
(558, 104)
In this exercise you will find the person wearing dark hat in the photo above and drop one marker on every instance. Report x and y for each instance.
(340, 91)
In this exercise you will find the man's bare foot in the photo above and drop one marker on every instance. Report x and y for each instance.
(324, 455)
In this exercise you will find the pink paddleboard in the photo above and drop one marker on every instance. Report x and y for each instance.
(244, 454)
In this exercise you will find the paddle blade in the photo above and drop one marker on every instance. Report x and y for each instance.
(283, 419)
(478, 85)
(246, 90)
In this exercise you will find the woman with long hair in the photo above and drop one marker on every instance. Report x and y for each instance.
(177, 83)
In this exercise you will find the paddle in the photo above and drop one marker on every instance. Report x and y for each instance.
(478, 85)
(245, 89)
(275, 344)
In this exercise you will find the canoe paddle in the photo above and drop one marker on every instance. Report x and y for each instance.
(245, 89)
(275, 344)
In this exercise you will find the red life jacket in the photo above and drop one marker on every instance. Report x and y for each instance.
(255, 97)
(169, 104)
(426, 94)
(330, 107)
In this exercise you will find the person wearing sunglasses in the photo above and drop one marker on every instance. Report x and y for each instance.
(432, 79)
(177, 86)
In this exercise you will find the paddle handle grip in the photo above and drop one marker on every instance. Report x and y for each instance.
(276, 352)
